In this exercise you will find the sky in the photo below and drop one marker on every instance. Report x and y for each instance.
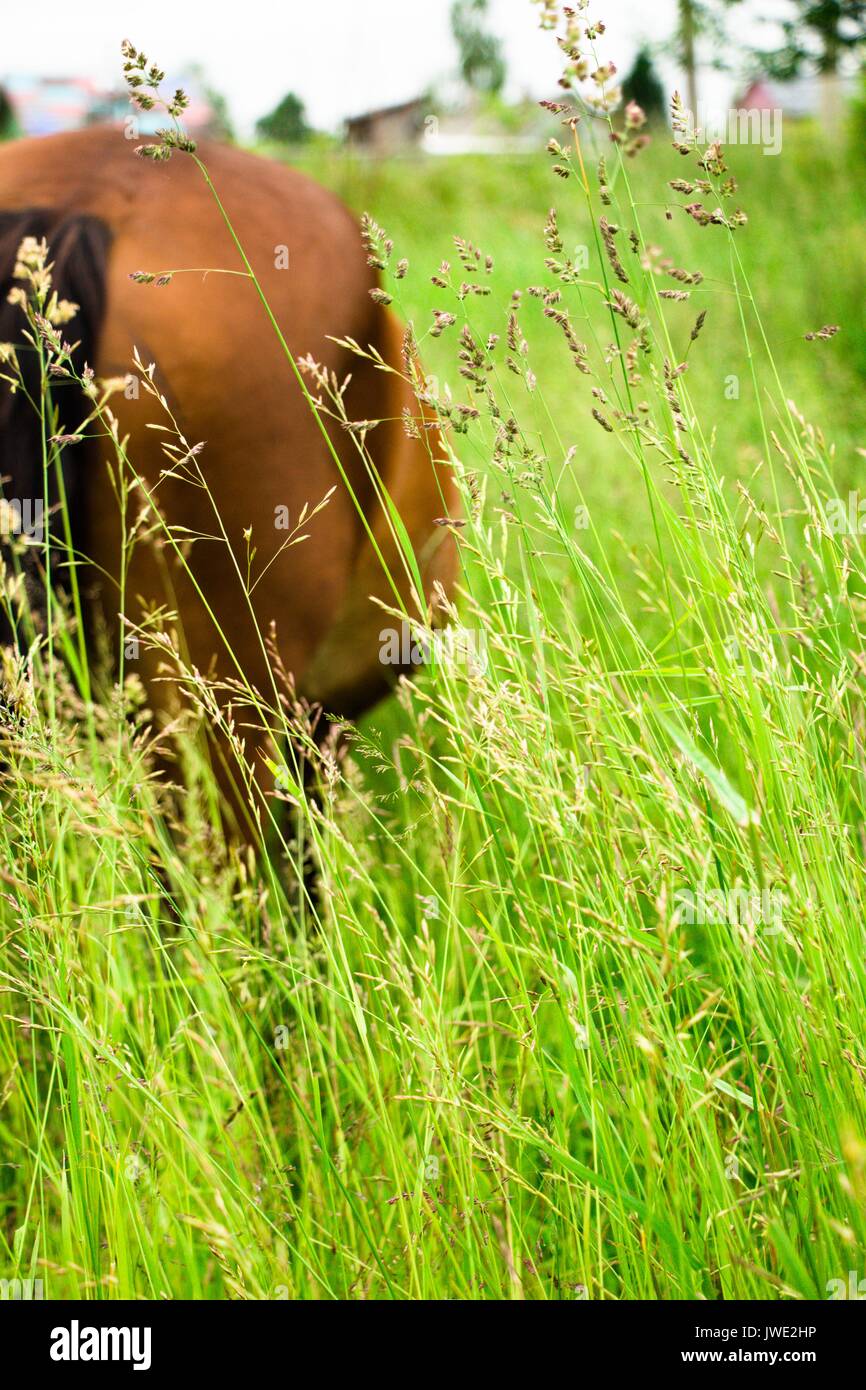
(342, 57)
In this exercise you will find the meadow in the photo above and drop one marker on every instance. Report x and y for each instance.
(804, 252)
(576, 1008)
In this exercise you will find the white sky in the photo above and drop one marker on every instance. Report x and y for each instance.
(340, 56)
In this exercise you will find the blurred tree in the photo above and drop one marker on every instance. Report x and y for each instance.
(222, 125)
(688, 23)
(697, 19)
(858, 117)
(644, 86)
(482, 65)
(817, 36)
(287, 123)
(7, 117)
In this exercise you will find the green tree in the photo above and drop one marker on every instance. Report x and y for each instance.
(221, 121)
(482, 64)
(287, 123)
(7, 117)
(817, 36)
(643, 85)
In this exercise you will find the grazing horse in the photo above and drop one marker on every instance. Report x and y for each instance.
(107, 215)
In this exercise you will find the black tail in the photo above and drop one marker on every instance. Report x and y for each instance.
(78, 247)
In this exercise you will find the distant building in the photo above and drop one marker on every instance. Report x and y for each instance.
(389, 129)
(466, 125)
(798, 98)
(473, 127)
(46, 105)
(49, 105)
(199, 119)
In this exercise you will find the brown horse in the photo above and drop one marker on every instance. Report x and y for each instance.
(107, 215)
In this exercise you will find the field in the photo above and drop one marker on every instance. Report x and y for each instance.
(804, 252)
(517, 1043)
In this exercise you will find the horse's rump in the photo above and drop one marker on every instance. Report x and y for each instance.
(106, 215)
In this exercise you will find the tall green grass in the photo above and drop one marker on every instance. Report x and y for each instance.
(491, 1056)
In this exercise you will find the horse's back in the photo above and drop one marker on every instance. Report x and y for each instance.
(226, 379)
